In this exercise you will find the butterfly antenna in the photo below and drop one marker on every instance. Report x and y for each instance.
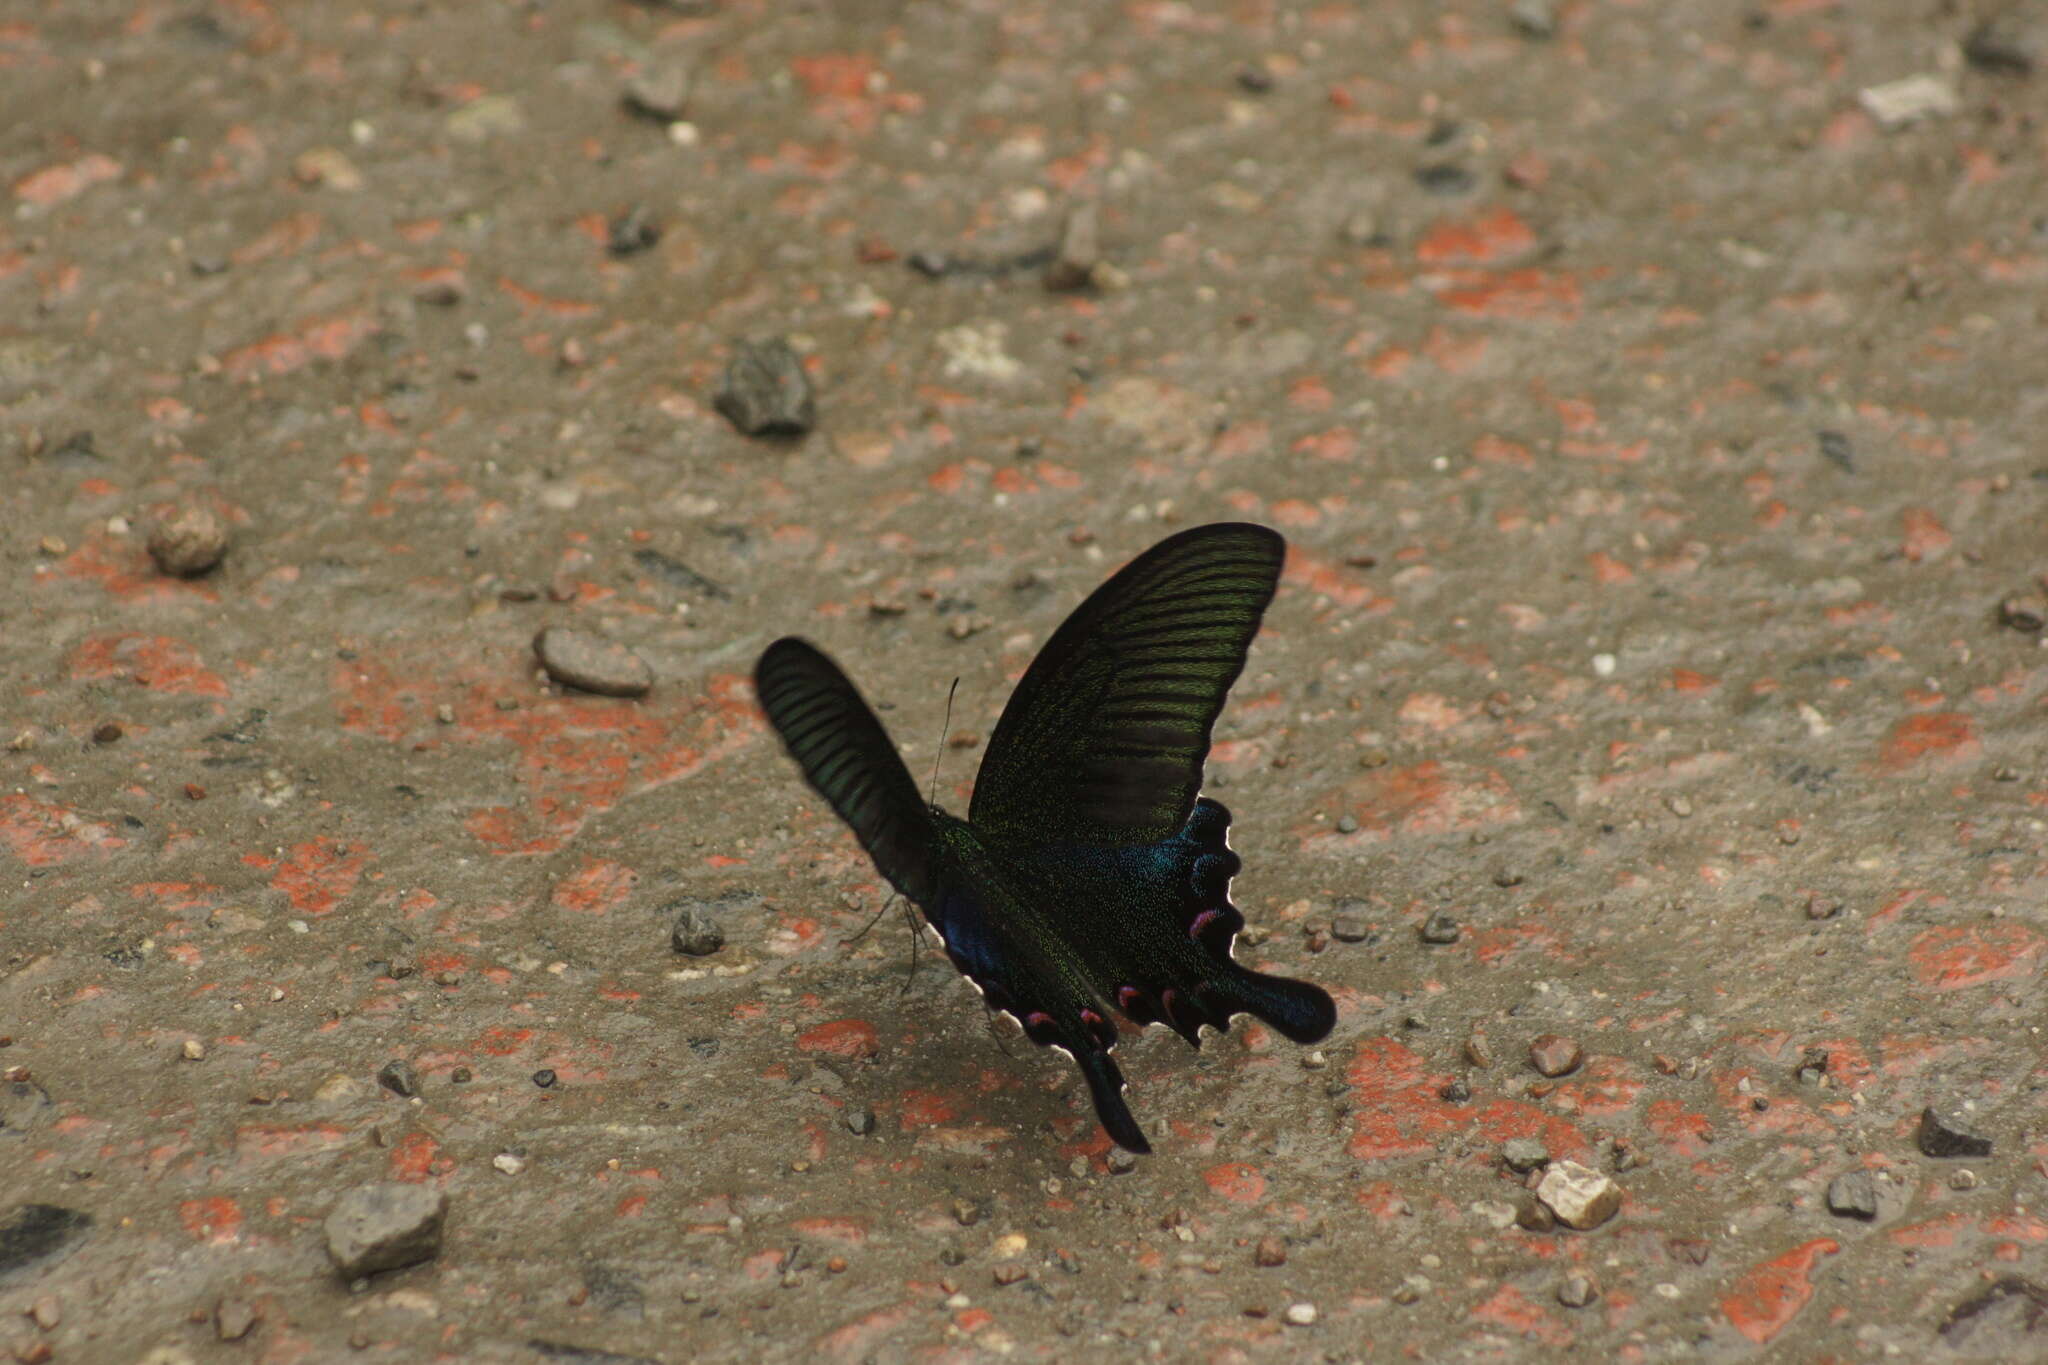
(932, 798)
(872, 921)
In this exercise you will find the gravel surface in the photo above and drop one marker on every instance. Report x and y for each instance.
(1652, 398)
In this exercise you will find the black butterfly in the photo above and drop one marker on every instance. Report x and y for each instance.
(1088, 874)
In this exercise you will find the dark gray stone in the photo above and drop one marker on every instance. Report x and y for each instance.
(696, 933)
(1853, 1195)
(399, 1078)
(765, 391)
(1945, 1133)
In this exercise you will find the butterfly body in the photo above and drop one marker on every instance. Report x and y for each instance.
(1089, 879)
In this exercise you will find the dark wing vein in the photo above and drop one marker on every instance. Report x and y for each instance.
(848, 758)
(1104, 739)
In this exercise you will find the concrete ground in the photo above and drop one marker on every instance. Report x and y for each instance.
(1652, 395)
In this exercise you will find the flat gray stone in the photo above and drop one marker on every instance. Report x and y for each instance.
(385, 1226)
(591, 663)
(1853, 1195)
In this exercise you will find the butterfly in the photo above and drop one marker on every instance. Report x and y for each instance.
(1090, 875)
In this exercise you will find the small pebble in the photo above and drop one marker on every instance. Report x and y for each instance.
(194, 792)
(1963, 1180)
(1533, 18)
(1853, 1195)
(1440, 929)
(1554, 1055)
(591, 663)
(1121, 1162)
(1444, 179)
(1580, 1196)
(630, 232)
(1577, 1291)
(1895, 104)
(1533, 1215)
(399, 1078)
(544, 1078)
(1497, 1214)
(385, 1226)
(1523, 1154)
(1836, 448)
(696, 933)
(232, 1318)
(1478, 1052)
(1361, 228)
(2009, 44)
(860, 1120)
(1348, 929)
(194, 1050)
(658, 91)
(1009, 1272)
(461, 1075)
(1944, 1133)
(1411, 1289)
(1300, 1314)
(1822, 907)
(107, 732)
(1080, 250)
(765, 391)
(47, 1312)
(1347, 824)
(508, 1163)
(1271, 1251)
(2027, 611)
(187, 540)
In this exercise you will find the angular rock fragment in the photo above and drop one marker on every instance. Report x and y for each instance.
(1080, 251)
(765, 391)
(1853, 1195)
(385, 1226)
(1580, 1196)
(696, 934)
(1945, 1133)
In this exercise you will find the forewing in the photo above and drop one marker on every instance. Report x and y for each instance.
(848, 758)
(1104, 739)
